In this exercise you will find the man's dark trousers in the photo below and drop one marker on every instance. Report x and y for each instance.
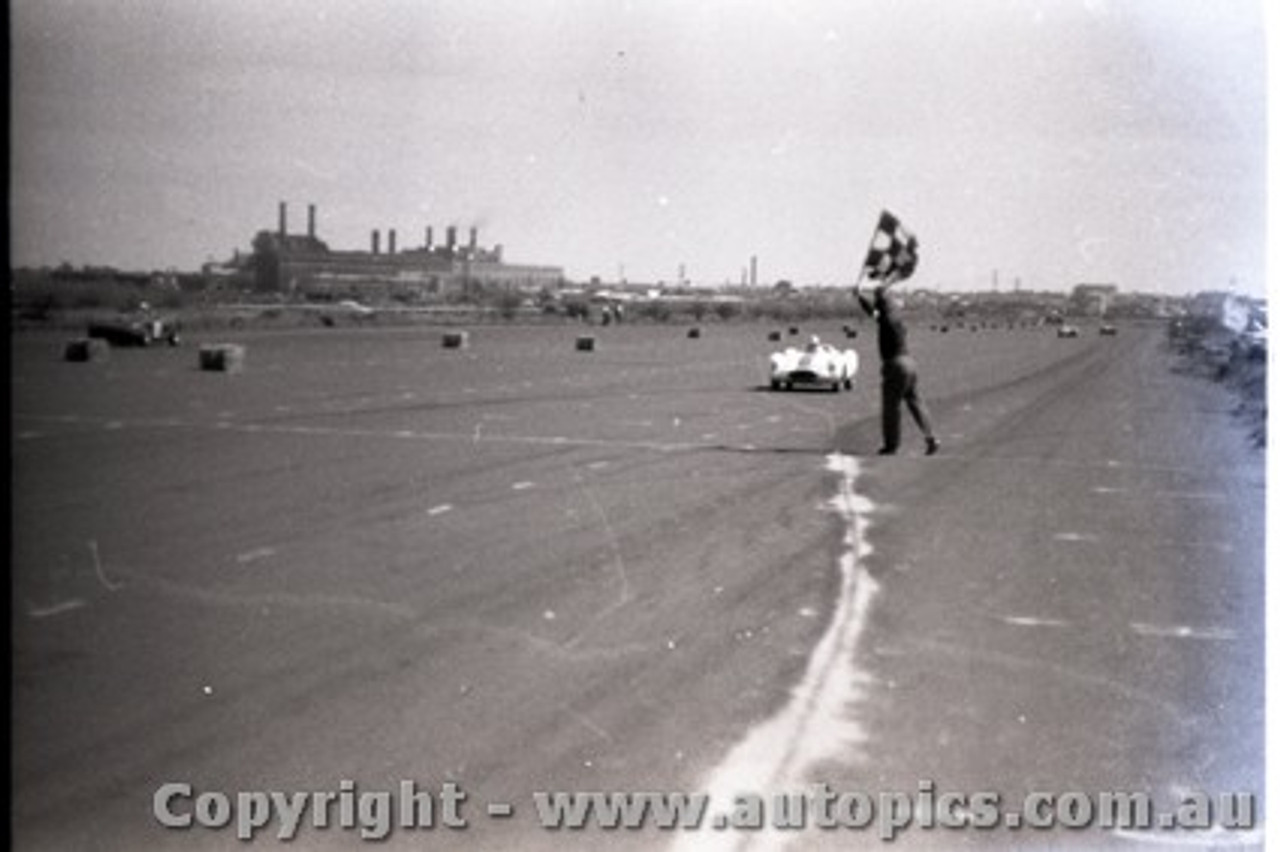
(898, 385)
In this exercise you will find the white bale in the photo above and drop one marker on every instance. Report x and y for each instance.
(456, 340)
(222, 357)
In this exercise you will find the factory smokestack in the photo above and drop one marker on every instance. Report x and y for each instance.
(311, 221)
(284, 219)
(451, 237)
(753, 270)
(374, 240)
(430, 238)
(391, 241)
(474, 236)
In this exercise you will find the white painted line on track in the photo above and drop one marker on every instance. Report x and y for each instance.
(254, 555)
(521, 486)
(1032, 621)
(440, 510)
(1179, 544)
(1075, 536)
(55, 609)
(1207, 496)
(1074, 464)
(664, 446)
(817, 724)
(1210, 496)
(1164, 631)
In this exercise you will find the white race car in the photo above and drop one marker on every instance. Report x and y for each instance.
(816, 365)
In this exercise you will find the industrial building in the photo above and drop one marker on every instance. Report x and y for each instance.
(1093, 300)
(303, 264)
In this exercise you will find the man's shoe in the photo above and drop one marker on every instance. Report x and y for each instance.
(886, 451)
(931, 446)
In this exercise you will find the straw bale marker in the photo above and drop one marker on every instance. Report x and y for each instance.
(586, 344)
(86, 349)
(695, 333)
(222, 357)
(456, 340)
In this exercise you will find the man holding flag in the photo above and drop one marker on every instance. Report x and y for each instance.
(891, 258)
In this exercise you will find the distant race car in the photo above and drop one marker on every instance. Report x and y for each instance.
(137, 330)
(816, 365)
(1068, 331)
(1107, 331)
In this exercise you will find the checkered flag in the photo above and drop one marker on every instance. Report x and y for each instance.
(892, 254)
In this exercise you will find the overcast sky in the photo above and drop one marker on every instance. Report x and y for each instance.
(1056, 141)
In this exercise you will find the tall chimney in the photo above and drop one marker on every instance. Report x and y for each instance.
(391, 241)
(311, 221)
(451, 237)
(753, 270)
(430, 239)
(374, 241)
(284, 219)
(472, 243)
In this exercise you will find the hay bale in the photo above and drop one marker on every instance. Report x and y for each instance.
(793, 330)
(775, 336)
(695, 333)
(456, 340)
(86, 349)
(222, 357)
(586, 344)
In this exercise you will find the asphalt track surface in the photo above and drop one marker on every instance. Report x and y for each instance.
(519, 568)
